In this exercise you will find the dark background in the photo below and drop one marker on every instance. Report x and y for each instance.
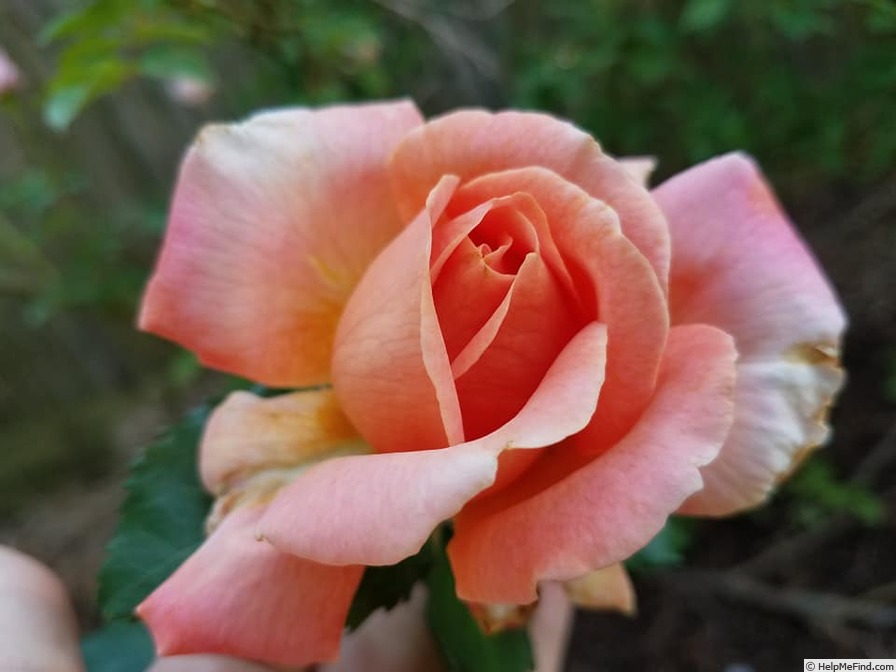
(89, 145)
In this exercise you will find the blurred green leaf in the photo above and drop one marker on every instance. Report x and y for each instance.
(162, 520)
(65, 101)
(667, 548)
(818, 494)
(165, 62)
(702, 15)
(464, 647)
(90, 17)
(121, 646)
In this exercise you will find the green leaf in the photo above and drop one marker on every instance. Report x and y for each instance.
(464, 647)
(121, 646)
(384, 587)
(64, 102)
(161, 522)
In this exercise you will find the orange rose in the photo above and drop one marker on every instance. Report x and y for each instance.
(514, 333)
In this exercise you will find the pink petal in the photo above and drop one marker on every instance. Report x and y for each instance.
(390, 367)
(273, 223)
(239, 596)
(614, 281)
(398, 640)
(639, 167)
(247, 433)
(10, 76)
(472, 143)
(738, 264)
(379, 509)
(610, 507)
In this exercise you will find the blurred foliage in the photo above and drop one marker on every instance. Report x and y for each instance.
(112, 41)
(816, 493)
(889, 391)
(120, 646)
(808, 85)
(668, 548)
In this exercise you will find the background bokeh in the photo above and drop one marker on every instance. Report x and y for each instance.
(110, 92)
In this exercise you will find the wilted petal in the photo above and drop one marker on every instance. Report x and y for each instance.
(609, 588)
(738, 264)
(247, 433)
(273, 223)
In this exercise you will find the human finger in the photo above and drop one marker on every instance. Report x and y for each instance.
(38, 630)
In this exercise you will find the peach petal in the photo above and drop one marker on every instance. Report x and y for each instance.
(639, 167)
(539, 321)
(238, 596)
(391, 370)
(273, 223)
(379, 509)
(612, 506)
(609, 588)
(738, 264)
(614, 282)
(482, 339)
(471, 143)
(247, 433)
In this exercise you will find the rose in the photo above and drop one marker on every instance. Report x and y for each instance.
(519, 336)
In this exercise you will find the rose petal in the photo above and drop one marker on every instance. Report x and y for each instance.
(247, 433)
(379, 509)
(539, 320)
(614, 282)
(273, 223)
(541, 528)
(780, 416)
(239, 596)
(639, 167)
(472, 143)
(609, 588)
(390, 367)
(739, 265)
